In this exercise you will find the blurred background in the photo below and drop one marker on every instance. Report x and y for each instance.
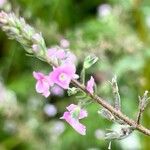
(117, 31)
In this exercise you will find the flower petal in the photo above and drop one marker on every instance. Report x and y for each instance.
(90, 85)
(71, 107)
(83, 114)
(80, 128)
(38, 75)
(46, 93)
(39, 87)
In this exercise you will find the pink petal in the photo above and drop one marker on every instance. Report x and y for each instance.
(90, 85)
(38, 75)
(65, 69)
(49, 80)
(39, 87)
(42, 86)
(52, 51)
(70, 69)
(46, 93)
(60, 54)
(71, 107)
(80, 128)
(83, 114)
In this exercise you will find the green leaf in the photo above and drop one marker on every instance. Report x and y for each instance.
(89, 61)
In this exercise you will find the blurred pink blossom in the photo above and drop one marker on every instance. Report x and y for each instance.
(50, 110)
(57, 90)
(62, 75)
(104, 10)
(72, 116)
(2, 2)
(64, 43)
(43, 83)
(90, 85)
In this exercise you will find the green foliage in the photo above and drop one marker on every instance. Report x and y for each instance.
(89, 61)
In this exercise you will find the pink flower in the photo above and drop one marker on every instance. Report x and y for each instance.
(62, 75)
(73, 114)
(43, 83)
(90, 85)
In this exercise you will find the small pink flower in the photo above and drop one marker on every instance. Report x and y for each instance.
(90, 85)
(72, 116)
(43, 83)
(62, 75)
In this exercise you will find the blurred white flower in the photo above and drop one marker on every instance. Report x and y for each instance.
(32, 123)
(34, 103)
(2, 2)
(50, 110)
(10, 126)
(99, 134)
(148, 21)
(8, 101)
(57, 128)
(104, 10)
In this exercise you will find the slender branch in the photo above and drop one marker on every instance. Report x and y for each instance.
(139, 115)
(33, 42)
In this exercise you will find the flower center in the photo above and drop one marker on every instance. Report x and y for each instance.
(62, 77)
